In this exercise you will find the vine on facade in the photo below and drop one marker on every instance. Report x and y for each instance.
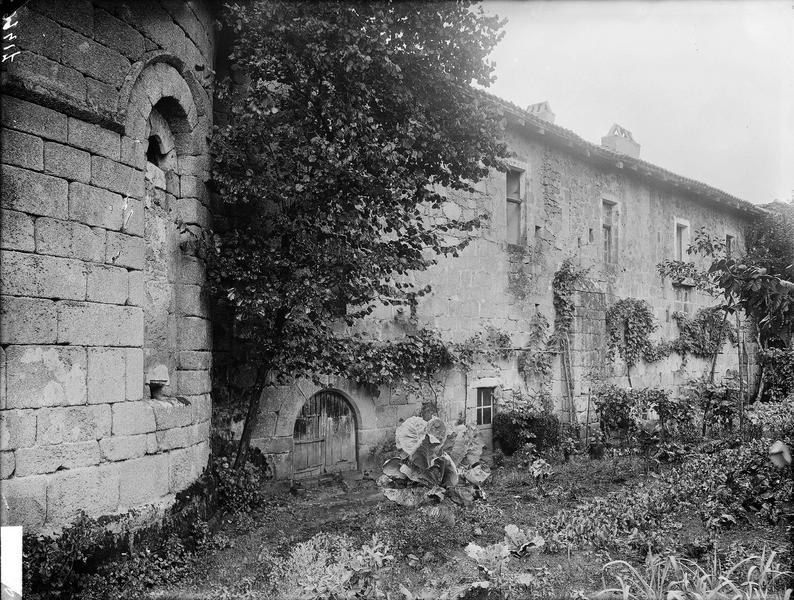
(630, 323)
(563, 288)
(704, 334)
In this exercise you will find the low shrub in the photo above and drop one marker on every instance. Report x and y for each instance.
(513, 428)
(508, 432)
(722, 488)
(330, 566)
(778, 373)
(775, 419)
(239, 490)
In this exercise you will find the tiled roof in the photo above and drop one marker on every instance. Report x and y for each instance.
(598, 154)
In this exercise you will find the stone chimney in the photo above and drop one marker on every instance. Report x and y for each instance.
(620, 140)
(542, 110)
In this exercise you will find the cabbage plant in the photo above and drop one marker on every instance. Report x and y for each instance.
(436, 463)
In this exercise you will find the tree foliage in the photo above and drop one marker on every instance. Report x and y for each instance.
(351, 125)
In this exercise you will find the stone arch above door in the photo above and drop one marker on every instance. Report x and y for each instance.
(325, 436)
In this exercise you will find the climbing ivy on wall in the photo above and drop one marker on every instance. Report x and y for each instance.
(630, 322)
(704, 334)
(563, 288)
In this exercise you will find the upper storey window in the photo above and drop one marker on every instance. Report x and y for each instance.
(609, 231)
(730, 245)
(513, 213)
(681, 239)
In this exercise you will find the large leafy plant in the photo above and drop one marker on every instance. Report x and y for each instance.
(435, 464)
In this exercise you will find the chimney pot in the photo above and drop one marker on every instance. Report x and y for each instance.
(542, 110)
(620, 140)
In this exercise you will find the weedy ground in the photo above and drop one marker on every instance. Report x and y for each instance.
(428, 548)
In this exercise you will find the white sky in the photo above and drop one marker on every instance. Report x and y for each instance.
(706, 88)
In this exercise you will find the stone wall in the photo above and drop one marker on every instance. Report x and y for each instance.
(104, 397)
(496, 284)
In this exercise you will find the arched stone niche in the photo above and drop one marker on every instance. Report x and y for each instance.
(170, 138)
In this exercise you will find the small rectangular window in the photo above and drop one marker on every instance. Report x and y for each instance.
(730, 243)
(513, 212)
(608, 232)
(484, 406)
(681, 240)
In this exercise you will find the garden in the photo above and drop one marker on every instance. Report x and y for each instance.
(657, 496)
(636, 513)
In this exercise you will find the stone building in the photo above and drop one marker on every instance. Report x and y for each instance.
(105, 343)
(601, 206)
(106, 117)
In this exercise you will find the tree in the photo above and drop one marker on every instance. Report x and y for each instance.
(353, 125)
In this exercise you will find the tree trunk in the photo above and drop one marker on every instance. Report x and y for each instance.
(741, 378)
(719, 346)
(249, 425)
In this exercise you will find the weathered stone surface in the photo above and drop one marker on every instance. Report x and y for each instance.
(183, 469)
(116, 177)
(191, 360)
(192, 271)
(16, 231)
(31, 192)
(42, 276)
(193, 383)
(68, 162)
(72, 424)
(95, 206)
(47, 76)
(45, 376)
(92, 324)
(125, 250)
(32, 118)
(132, 153)
(27, 321)
(194, 334)
(134, 374)
(178, 437)
(202, 408)
(192, 301)
(106, 369)
(102, 97)
(17, 429)
(2, 378)
(94, 490)
(135, 292)
(48, 459)
(123, 447)
(134, 218)
(38, 34)
(171, 413)
(96, 60)
(65, 238)
(23, 501)
(193, 212)
(21, 149)
(75, 14)
(132, 418)
(94, 138)
(143, 480)
(107, 284)
(7, 464)
(116, 34)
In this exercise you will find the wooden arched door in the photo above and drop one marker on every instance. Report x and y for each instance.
(324, 436)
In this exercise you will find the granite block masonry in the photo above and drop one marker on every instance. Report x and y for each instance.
(92, 301)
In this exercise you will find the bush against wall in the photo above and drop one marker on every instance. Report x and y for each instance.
(778, 373)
